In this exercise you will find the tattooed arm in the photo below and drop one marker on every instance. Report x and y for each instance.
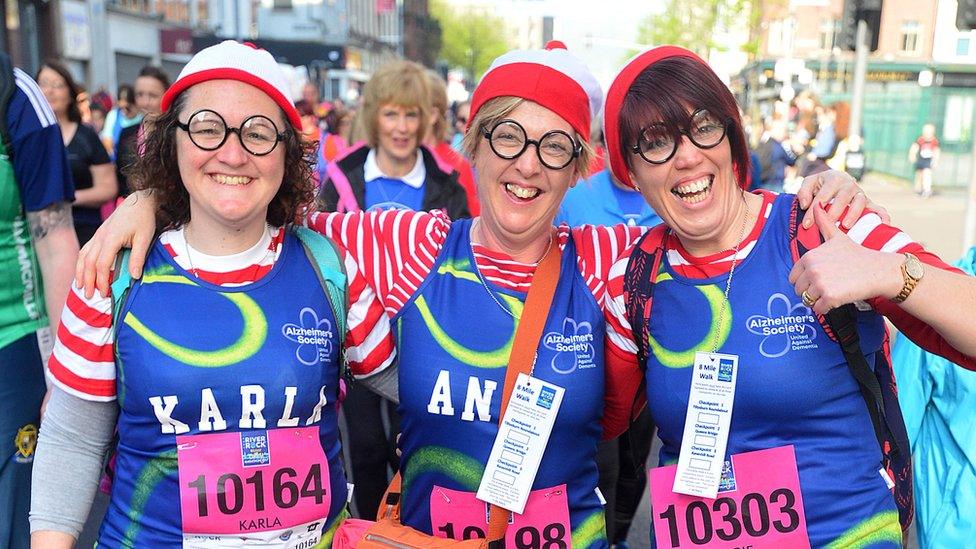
(53, 233)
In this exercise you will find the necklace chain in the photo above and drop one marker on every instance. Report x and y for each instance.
(186, 244)
(484, 282)
(728, 282)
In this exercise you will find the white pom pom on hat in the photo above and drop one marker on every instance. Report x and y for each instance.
(551, 77)
(244, 62)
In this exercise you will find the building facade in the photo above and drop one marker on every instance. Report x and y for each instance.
(924, 70)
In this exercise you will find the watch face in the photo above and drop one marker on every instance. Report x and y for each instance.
(914, 267)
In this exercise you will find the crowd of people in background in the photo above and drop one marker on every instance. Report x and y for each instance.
(404, 146)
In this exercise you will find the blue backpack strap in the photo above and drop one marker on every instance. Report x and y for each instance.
(877, 385)
(120, 285)
(325, 258)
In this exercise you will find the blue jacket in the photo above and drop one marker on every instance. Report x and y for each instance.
(938, 400)
(596, 201)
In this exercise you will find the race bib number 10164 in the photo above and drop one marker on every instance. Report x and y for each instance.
(254, 481)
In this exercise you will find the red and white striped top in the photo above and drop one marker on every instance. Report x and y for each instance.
(396, 250)
(83, 359)
(869, 231)
(388, 254)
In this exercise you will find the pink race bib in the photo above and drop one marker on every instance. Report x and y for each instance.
(545, 522)
(255, 481)
(759, 504)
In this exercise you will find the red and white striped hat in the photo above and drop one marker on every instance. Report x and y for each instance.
(551, 77)
(615, 101)
(244, 62)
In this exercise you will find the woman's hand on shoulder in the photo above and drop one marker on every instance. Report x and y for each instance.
(843, 191)
(841, 271)
(132, 225)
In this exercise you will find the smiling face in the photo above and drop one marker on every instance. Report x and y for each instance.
(398, 134)
(229, 187)
(695, 193)
(520, 197)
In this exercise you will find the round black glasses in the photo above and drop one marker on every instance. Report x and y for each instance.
(555, 149)
(208, 131)
(657, 144)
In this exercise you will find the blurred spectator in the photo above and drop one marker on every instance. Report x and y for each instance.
(91, 169)
(602, 200)
(310, 123)
(150, 85)
(937, 400)
(924, 153)
(335, 137)
(124, 114)
(438, 133)
(98, 113)
(599, 161)
(310, 94)
(774, 154)
(824, 144)
(841, 116)
(461, 112)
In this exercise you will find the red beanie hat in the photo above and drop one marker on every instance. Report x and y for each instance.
(231, 60)
(615, 100)
(552, 77)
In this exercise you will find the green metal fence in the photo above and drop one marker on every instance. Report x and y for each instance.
(893, 116)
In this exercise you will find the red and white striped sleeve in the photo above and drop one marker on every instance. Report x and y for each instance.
(83, 361)
(603, 255)
(387, 256)
(870, 232)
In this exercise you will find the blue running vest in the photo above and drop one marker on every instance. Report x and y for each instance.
(179, 337)
(793, 387)
(453, 341)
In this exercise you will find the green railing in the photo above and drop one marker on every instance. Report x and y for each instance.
(893, 117)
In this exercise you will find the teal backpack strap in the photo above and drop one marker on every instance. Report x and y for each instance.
(120, 285)
(324, 256)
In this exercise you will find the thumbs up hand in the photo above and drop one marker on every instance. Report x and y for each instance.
(841, 271)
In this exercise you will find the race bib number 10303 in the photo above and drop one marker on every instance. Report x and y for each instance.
(758, 503)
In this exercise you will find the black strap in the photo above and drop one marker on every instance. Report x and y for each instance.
(7, 86)
(843, 322)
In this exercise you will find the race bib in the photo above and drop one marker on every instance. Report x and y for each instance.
(545, 522)
(758, 503)
(254, 481)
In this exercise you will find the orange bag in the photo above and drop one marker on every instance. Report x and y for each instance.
(388, 532)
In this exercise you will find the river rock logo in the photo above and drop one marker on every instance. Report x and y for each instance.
(575, 338)
(314, 337)
(786, 326)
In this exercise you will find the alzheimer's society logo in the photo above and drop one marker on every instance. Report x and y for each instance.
(786, 326)
(576, 339)
(314, 337)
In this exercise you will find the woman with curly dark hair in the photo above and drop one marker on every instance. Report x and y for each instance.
(230, 341)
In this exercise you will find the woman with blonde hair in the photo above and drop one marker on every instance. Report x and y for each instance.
(392, 170)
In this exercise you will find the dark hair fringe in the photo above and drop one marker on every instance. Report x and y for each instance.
(157, 169)
(664, 92)
(152, 71)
